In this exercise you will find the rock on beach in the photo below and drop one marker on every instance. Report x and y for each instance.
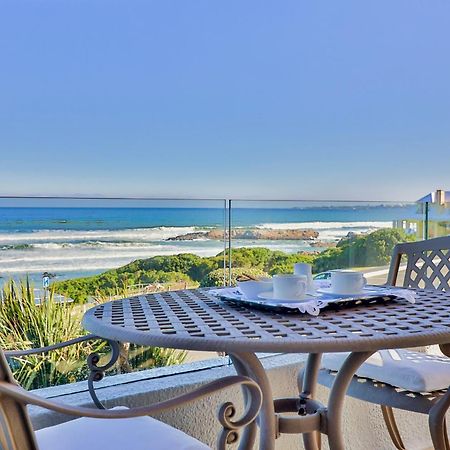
(251, 234)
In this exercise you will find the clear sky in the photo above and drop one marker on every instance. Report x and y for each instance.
(262, 99)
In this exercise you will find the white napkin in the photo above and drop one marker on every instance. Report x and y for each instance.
(407, 294)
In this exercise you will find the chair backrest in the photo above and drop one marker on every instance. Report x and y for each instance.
(16, 431)
(427, 264)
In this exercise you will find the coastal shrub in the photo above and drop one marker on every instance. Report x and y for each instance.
(215, 278)
(188, 264)
(25, 325)
(158, 276)
(284, 263)
(255, 257)
(117, 282)
(376, 248)
(329, 259)
(373, 249)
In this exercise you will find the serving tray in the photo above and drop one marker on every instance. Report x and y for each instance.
(323, 301)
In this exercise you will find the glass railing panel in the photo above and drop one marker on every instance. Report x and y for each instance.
(94, 250)
(79, 238)
(84, 251)
(438, 220)
(268, 237)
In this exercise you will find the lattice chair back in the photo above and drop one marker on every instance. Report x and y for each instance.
(16, 432)
(427, 264)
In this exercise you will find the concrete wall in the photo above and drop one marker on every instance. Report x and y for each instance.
(363, 425)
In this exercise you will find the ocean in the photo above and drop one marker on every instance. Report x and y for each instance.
(72, 242)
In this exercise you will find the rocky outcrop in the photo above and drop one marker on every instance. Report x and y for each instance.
(251, 233)
(190, 236)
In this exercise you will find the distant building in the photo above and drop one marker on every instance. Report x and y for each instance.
(434, 209)
(439, 197)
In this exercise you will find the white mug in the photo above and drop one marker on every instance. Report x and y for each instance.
(289, 286)
(347, 282)
(305, 269)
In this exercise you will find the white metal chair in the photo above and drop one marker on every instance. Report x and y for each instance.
(406, 379)
(116, 429)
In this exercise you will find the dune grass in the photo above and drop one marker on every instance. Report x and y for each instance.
(24, 324)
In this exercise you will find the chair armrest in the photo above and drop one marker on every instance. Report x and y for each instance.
(35, 351)
(253, 407)
(96, 371)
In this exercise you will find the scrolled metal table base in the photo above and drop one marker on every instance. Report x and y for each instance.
(98, 372)
(247, 364)
(312, 418)
(330, 422)
(231, 426)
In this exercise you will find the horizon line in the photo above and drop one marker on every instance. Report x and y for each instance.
(226, 199)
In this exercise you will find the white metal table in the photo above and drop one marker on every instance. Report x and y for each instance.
(196, 320)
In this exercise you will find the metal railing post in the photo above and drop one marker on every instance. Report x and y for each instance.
(229, 241)
(225, 226)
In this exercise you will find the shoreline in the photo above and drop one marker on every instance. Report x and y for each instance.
(76, 253)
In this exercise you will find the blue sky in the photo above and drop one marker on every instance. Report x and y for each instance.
(260, 99)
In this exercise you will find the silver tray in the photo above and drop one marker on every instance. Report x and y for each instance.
(375, 295)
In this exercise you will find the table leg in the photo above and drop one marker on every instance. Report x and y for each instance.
(249, 365)
(308, 387)
(337, 396)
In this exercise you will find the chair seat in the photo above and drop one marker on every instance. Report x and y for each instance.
(406, 369)
(140, 433)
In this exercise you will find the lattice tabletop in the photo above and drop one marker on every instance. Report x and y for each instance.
(195, 320)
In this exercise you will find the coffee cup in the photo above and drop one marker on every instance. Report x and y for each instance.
(347, 282)
(289, 286)
(305, 269)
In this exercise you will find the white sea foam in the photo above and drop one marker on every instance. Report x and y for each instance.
(100, 245)
(330, 231)
(62, 251)
(89, 261)
(130, 235)
(326, 225)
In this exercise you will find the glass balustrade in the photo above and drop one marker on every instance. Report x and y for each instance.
(80, 251)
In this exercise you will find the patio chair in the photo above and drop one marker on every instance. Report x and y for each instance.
(116, 429)
(406, 379)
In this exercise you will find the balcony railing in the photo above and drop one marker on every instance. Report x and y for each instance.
(96, 249)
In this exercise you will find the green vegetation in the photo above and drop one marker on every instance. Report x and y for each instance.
(188, 270)
(25, 325)
(117, 283)
(374, 249)
(216, 277)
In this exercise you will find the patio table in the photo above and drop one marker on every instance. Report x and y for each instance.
(196, 320)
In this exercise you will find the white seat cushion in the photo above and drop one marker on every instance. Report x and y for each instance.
(140, 433)
(413, 371)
